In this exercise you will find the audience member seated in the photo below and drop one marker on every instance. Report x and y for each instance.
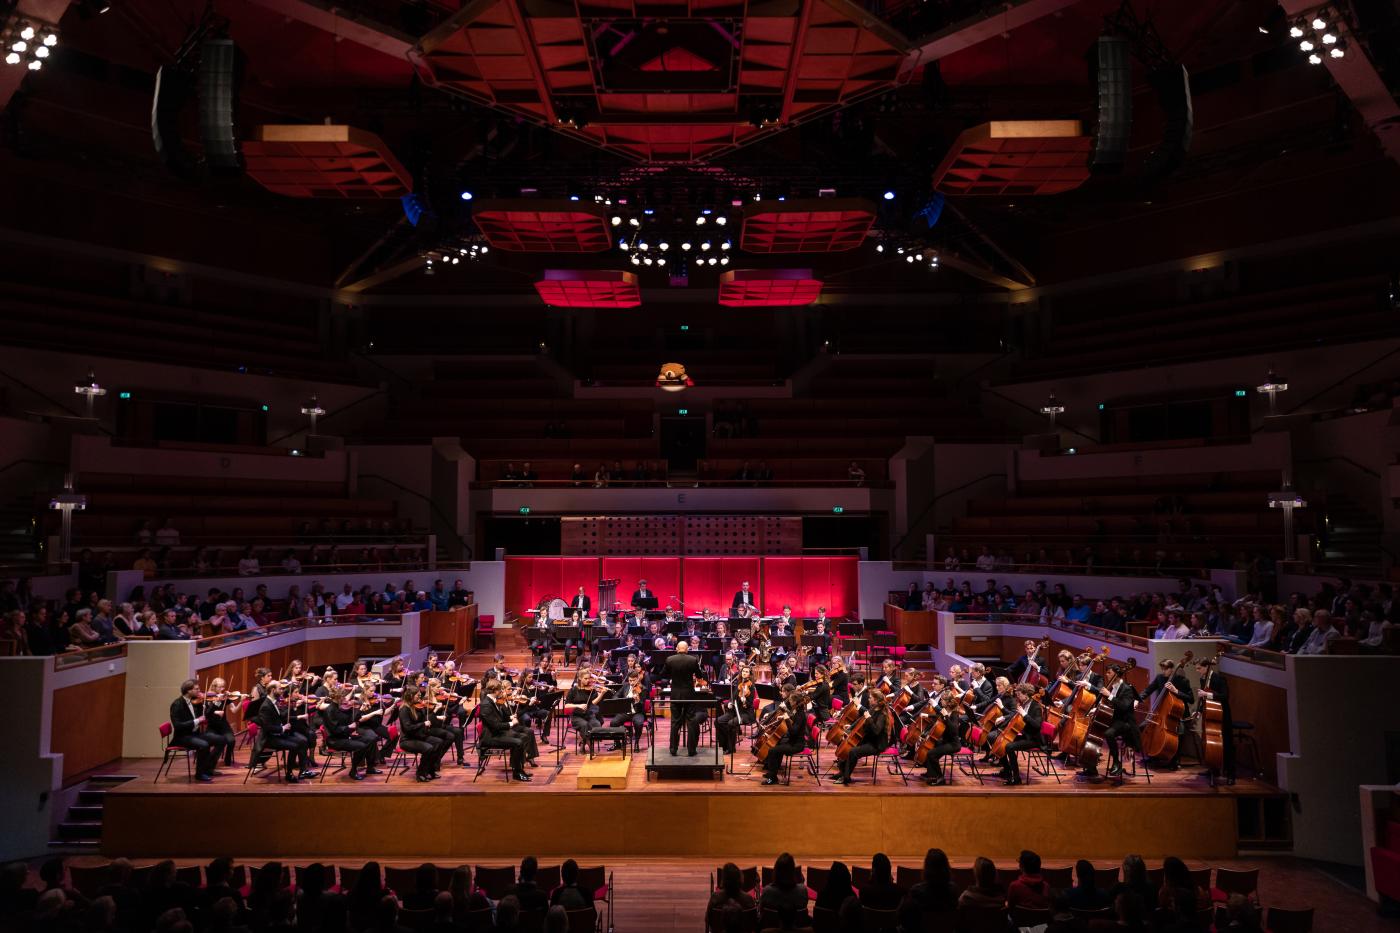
(532, 898)
(570, 895)
(984, 890)
(1030, 890)
(731, 899)
(786, 895)
(837, 888)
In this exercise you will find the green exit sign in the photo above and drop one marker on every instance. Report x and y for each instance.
(124, 395)
(524, 510)
(682, 411)
(1240, 393)
(685, 327)
(837, 509)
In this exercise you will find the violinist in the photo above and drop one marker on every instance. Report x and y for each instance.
(188, 724)
(879, 726)
(783, 674)
(544, 681)
(949, 710)
(296, 671)
(1024, 704)
(498, 671)
(1212, 685)
(1026, 669)
(370, 706)
(303, 709)
(499, 732)
(582, 702)
(1120, 697)
(278, 722)
(396, 679)
(634, 691)
(838, 681)
(344, 735)
(784, 709)
(414, 734)
(440, 703)
(1173, 681)
(738, 712)
(216, 705)
(821, 693)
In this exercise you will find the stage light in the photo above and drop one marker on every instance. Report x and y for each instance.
(661, 261)
(12, 58)
(1329, 39)
(19, 46)
(636, 260)
(648, 211)
(1296, 32)
(909, 258)
(724, 260)
(466, 195)
(622, 245)
(41, 52)
(704, 246)
(1337, 53)
(706, 211)
(664, 246)
(573, 197)
(879, 247)
(713, 260)
(634, 221)
(27, 32)
(616, 220)
(721, 220)
(686, 246)
(642, 245)
(647, 260)
(485, 249)
(1319, 23)
(725, 245)
(700, 221)
(1306, 45)
(889, 195)
(1314, 59)
(456, 260)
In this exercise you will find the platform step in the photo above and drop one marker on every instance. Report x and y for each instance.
(110, 779)
(85, 812)
(604, 773)
(92, 796)
(75, 845)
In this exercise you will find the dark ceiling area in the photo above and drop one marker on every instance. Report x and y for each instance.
(657, 112)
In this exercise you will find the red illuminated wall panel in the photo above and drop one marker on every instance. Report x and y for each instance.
(768, 288)
(579, 288)
(663, 576)
(815, 225)
(527, 225)
(711, 582)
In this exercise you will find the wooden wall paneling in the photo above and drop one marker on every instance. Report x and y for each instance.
(86, 726)
(1266, 706)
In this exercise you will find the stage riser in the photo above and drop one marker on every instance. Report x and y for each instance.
(613, 824)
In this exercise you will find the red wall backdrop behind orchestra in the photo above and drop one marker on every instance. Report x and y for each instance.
(702, 582)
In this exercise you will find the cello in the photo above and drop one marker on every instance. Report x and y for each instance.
(1162, 727)
(777, 730)
(1015, 725)
(1035, 673)
(1212, 727)
(1074, 729)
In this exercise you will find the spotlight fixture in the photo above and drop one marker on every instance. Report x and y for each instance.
(661, 261)
(686, 246)
(634, 221)
(664, 246)
(1329, 39)
(700, 221)
(1296, 32)
(1336, 52)
(721, 220)
(879, 247)
(889, 195)
(1314, 59)
(704, 246)
(642, 245)
(616, 220)
(1319, 23)
(725, 245)
(466, 195)
(28, 43)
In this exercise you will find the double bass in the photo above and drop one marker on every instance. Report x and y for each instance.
(1212, 728)
(1035, 674)
(1162, 727)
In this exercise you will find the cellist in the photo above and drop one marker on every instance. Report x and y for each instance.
(1172, 680)
(1026, 668)
(879, 725)
(794, 742)
(1032, 715)
(1121, 697)
(950, 711)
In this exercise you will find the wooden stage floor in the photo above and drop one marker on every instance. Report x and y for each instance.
(1177, 814)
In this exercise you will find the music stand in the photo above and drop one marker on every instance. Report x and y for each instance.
(851, 629)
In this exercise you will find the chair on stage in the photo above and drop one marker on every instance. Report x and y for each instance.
(485, 632)
(402, 758)
(484, 756)
(172, 750)
(811, 753)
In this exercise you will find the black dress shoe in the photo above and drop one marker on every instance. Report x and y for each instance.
(203, 778)
(840, 779)
(356, 776)
(373, 771)
(521, 776)
(769, 781)
(935, 782)
(292, 779)
(423, 778)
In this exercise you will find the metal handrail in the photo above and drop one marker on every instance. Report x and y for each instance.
(223, 639)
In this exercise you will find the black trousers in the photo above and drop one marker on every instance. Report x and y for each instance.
(514, 744)
(790, 745)
(208, 746)
(727, 729)
(685, 716)
(526, 735)
(219, 726)
(933, 764)
(863, 750)
(359, 750)
(429, 750)
(296, 747)
(386, 743)
(1132, 738)
(634, 722)
(451, 736)
(1013, 764)
(303, 728)
(584, 722)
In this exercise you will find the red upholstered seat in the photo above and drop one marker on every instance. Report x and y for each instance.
(1385, 861)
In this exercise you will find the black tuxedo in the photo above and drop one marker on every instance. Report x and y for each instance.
(682, 669)
(739, 599)
(646, 599)
(583, 603)
(280, 735)
(983, 695)
(343, 734)
(497, 732)
(1124, 722)
(208, 745)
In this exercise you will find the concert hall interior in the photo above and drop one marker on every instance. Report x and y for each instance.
(624, 466)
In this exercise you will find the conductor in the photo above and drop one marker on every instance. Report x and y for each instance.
(682, 668)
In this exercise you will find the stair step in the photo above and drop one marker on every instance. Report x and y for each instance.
(92, 796)
(85, 812)
(110, 778)
(70, 844)
(80, 829)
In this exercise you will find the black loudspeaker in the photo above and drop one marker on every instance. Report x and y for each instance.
(1173, 87)
(1115, 79)
(172, 92)
(220, 78)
